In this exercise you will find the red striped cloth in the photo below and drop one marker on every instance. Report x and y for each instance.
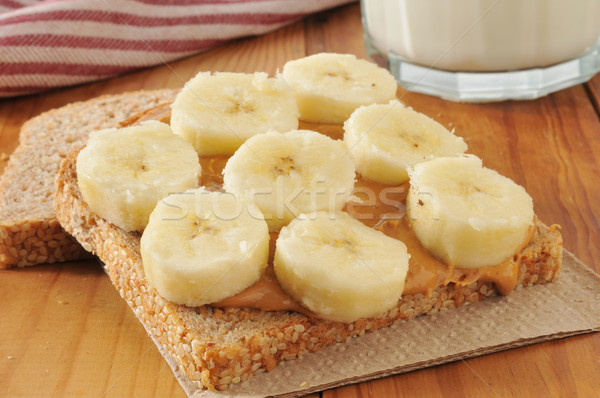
(52, 43)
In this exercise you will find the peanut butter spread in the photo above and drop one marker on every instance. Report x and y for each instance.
(378, 206)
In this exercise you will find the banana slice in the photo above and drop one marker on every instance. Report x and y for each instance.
(328, 87)
(465, 214)
(385, 140)
(288, 174)
(200, 247)
(338, 267)
(122, 173)
(218, 112)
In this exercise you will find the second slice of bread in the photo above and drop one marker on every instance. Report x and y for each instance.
(217, 347)
(29, 231)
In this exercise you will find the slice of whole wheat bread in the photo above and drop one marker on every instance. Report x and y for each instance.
(217, 347)
(29, 231)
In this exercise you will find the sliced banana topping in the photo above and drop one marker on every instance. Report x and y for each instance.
(465, 214)
(338, 267)
(200, 246)
(385, 140)
(122, 173)
(218, 112)
(328, 87)
(289, 174)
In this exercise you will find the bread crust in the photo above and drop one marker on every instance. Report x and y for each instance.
(29, 231)
(217, 347)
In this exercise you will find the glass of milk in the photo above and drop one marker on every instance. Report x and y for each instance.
(484, 50)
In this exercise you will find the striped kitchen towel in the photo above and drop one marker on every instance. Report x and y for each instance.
(52, 43)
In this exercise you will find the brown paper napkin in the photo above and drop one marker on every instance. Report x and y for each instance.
(567, 307)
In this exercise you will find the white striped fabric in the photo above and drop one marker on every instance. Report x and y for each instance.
(52, 43)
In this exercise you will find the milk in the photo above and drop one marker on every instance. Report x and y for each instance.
(483, 35)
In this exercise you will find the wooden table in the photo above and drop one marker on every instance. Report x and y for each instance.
(66, 332)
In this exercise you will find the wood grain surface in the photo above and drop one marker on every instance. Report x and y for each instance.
(66, 332)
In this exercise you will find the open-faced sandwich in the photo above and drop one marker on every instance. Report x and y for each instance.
(258, 218)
